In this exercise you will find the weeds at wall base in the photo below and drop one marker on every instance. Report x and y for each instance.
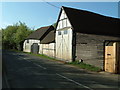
(85, 66)
(75, 63)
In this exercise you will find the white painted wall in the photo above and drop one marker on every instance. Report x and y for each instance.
(40, 49)
(64, 22)
(27, 46)
(64, 41)
(48, 49)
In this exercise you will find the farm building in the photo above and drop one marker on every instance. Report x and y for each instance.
(32, 42)
(48, 44)
(82, 35)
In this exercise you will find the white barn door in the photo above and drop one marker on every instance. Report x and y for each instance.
(59, 45)
(64, 38)
(64, 44)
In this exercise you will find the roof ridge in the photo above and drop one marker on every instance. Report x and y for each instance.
(43, 27)
(64, 7)
(40, 32)
(90, 22)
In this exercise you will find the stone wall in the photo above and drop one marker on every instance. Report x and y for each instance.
(90, 48)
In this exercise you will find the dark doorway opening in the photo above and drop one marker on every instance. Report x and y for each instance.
(35, 48)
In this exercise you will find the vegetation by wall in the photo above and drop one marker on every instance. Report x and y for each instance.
(13, 36)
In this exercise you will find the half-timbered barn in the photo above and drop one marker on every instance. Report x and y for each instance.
(32, 42)
(48, 44)
(81, 35)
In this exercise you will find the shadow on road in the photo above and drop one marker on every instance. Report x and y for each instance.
(22, 72)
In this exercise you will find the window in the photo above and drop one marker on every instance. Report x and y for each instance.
(59, 32)
(27, 41)
(65, 31)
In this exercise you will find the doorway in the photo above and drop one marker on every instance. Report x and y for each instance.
(35, 48)
(112, 57)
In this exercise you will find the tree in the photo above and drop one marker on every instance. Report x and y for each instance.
(14, 35)
(8, 36)
(21, 33)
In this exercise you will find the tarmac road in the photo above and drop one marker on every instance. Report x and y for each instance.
(28, 71)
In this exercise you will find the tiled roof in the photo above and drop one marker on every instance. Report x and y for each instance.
(50, 37)
(89, 22)
(40, 33)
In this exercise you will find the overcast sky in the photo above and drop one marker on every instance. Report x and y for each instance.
(39, 14)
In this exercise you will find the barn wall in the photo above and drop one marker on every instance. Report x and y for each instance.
(64, 41)
(90, 48)
(40, 49)
(27, 46)
(64, 22)
(48, 49)
(64, 45)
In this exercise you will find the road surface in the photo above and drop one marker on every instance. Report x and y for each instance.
(27, 71)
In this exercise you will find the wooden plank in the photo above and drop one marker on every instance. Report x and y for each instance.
(118, 58)
(110, 58)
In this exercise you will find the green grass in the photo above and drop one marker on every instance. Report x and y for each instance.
(85, 66)
(75, 63)
(44, 56)
(41, 55)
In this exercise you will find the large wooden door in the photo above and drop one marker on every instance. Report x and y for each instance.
(112, 57)
(64, 45)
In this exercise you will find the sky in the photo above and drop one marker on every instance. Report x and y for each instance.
(40, 14)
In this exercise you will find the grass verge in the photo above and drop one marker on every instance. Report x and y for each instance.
(75, 63)
(85, 66)
(42, 55)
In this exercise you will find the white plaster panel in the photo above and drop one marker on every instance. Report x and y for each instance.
(63, 21)
(27, 46)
